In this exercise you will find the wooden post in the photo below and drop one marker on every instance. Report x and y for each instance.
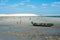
(20, 20)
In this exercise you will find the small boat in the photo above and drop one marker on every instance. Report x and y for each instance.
(42, 24)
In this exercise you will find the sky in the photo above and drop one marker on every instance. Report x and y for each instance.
(30, 6)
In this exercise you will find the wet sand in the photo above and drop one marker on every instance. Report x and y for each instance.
(21, 31)
(32, 33)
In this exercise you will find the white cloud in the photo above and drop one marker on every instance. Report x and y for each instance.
(21, 3)
(55, 4)
(17, 4)
(14, 5)
(31, 6)
(52, 5)
(28, 0)
(44, 4)
(24, 2)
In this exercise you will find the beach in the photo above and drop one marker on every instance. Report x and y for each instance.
(24, 30)
(29, 33)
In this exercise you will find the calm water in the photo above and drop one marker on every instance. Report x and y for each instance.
(10, 28)
(11, 37)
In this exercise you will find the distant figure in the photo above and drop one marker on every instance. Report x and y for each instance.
(29, 18)
(31, 22)
(17, 22)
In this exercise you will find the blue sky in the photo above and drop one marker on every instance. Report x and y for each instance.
(30, 6)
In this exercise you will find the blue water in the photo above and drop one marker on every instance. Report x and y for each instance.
(11, 28)
(50, 31)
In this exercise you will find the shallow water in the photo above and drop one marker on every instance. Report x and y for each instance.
(52, 31)
(10, 28)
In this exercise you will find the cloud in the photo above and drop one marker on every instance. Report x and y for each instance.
(52, 5)
(17, 4)
(23, 2)
(13, 5)
(28, 0)
(55, 4)
(5, 2)
(31, 6)
(44, 4)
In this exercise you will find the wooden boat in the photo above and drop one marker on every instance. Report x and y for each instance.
(42, 24)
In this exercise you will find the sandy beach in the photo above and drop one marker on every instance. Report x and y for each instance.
(19, 29)
(32, 32)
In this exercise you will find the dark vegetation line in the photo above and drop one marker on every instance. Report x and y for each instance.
(50, 16)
